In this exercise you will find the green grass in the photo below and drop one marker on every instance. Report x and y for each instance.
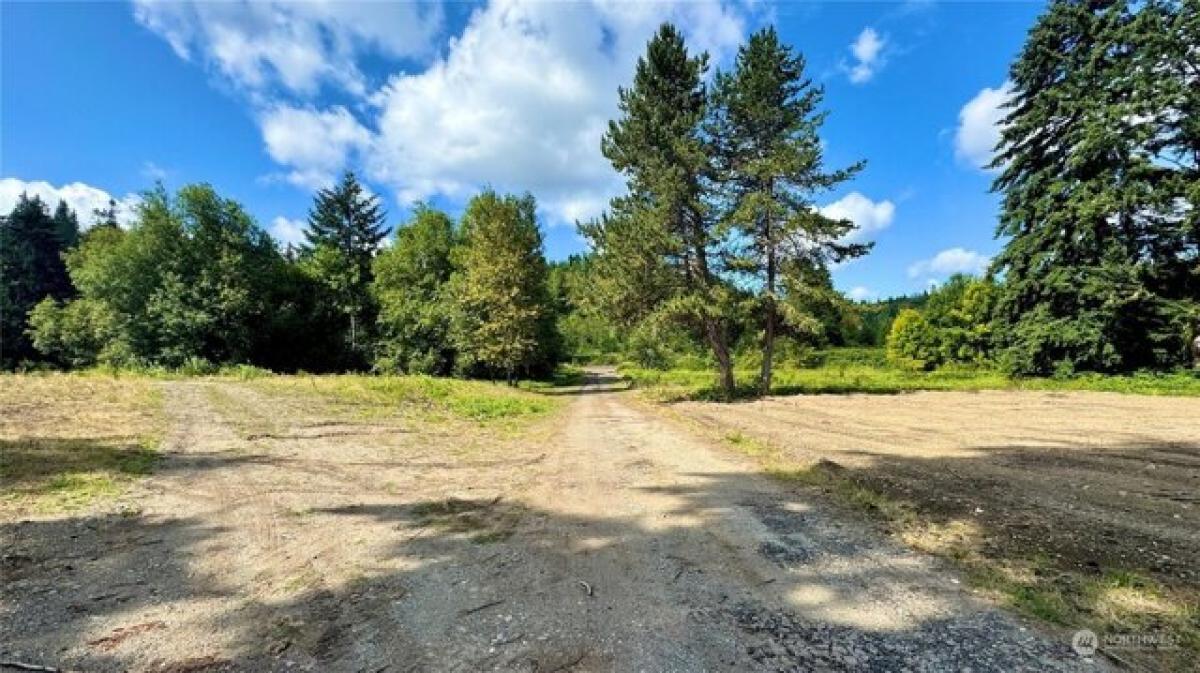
(70, 440)
(45, 475)
(859, 370)
(478, 401)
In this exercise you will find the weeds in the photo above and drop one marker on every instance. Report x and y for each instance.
(478, 401)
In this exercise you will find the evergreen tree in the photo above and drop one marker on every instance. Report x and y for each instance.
(1099, 154)
(105, 217)
(763, 130)
(345, 228)
(31, 269)
(410, 287)
(504, 321)
(664, 223)
(66, 225)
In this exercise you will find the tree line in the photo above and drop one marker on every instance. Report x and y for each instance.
(716, 242)
(194, 283)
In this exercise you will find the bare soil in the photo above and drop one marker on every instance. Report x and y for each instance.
(1102, 479)
(284, 532)
(1082, 493)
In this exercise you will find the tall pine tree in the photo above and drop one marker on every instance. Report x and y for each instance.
(664, 221)
(764, 133)
(1099, 198)
(66, 225)
(345, 228)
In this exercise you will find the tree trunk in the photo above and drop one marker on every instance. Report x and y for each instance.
(701, 279)
(768, 348)
(716, 339)
(768, 344)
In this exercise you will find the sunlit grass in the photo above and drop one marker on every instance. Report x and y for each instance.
(478, 401)
(69, 440)
(864, 372)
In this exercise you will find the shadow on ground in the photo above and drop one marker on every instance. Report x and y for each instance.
(493, 584)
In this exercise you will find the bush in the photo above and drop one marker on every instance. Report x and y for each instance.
(78, 333)
(953, 328)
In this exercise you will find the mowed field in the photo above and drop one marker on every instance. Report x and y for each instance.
(351, 523)
(1079, 508)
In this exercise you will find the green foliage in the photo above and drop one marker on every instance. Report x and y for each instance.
(865, 370)
(873, 319)
(763, 136)
(911, 341)
(503, 317)
(345, 228)
(584, 329)
(655, 249)
(954, 327)
(31, 269)
(191, 278)
(79, 333)
(415, 309)
(1101, 270)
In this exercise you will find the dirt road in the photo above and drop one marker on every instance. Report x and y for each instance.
(279, 535)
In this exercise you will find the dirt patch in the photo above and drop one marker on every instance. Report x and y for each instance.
(292, 530)
(1079, 508)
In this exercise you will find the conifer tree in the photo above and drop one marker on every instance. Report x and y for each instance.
(764, 136)
(345, 228)
(31, 269)
(1098, 156)
(66, 225)
(664, 223)
(106, 216)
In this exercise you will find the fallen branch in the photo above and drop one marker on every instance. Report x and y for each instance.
(22, 666)
(477, 608)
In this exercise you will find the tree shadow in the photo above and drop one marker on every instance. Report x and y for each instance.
(61, 574)
(737, 574)
(593, 383)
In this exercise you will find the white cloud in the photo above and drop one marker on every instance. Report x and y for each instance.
(860, 293)
(313, 145)
(519, 100)
(297, 45)
(867, 49)
(950, 261)
(522, 99)
(869, 217)
(979, 126)
(286, 231)
(80, 197)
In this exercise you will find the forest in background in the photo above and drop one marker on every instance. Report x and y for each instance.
(715, 256)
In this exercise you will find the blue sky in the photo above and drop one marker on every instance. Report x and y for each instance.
(268, 101)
